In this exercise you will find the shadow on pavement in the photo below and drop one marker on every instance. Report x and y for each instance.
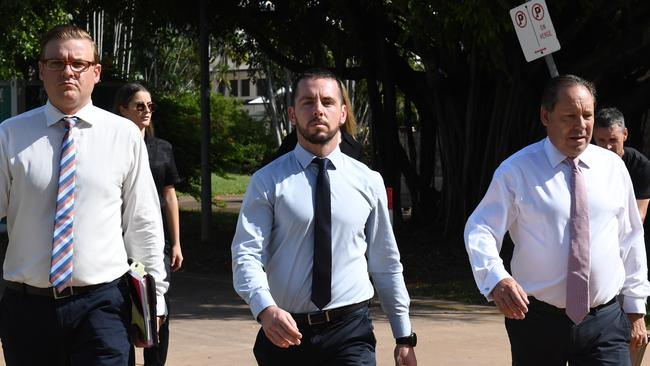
(196, 296)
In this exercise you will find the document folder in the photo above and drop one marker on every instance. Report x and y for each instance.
(142, 287)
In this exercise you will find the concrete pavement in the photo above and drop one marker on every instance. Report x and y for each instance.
(211, 325)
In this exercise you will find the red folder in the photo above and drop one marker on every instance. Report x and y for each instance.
(142, 286)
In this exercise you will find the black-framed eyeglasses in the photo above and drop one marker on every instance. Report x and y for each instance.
(141, 105)
(75, 65)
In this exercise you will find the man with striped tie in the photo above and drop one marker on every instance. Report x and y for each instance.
(79, 198)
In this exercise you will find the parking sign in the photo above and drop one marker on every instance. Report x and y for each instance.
(534, 29)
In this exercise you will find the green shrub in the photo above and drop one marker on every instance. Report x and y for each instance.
(238, 144)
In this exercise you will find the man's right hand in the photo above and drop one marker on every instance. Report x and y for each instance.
(279, 327)
(510, 298)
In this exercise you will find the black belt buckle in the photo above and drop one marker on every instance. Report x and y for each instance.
(318, 318)
(67, 292)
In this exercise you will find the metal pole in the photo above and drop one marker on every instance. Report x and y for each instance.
(550, 63)
(206, 179)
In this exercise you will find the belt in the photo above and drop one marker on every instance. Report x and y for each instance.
(546, 307)
(326, 316)
(52, 292)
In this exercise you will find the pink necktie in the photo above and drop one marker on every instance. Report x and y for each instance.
(62, 239)
(577, 286)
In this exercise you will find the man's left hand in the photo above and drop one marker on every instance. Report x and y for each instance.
(639, 335)
(405, 356)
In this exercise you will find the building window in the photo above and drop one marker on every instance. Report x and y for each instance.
(262, 87)
(234, 88)
(221, 88)
(245, 87)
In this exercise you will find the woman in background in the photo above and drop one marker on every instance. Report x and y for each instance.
(133, 101)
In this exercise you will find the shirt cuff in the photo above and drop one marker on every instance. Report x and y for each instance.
(161, 309)
(494, 276)
(633, 305)
(261, 301)
(400, 325)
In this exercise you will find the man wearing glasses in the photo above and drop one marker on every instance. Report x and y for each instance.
(79, 198)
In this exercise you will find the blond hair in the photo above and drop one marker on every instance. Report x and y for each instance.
(64, 32)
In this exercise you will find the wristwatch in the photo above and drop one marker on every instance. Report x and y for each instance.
(410, 340)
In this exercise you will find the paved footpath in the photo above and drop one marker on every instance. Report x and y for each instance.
(211, 326)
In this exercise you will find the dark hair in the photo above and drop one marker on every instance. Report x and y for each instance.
(553, 87)
(609, 117)
(124, 95)
(317, 73)
(64, 32)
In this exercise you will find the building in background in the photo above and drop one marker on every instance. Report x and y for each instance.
(234, 80)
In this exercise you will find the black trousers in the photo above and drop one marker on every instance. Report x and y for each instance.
(82, 330)
(346, 341)
(547, 337)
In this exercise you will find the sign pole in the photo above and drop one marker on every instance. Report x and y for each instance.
(550, 63)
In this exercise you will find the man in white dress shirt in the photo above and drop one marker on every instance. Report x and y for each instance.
(530, 197)
(112, 214)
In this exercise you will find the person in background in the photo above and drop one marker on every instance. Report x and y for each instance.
(347, 143)
(610, 133)
(133, 101)
(79, 198)
(312, 230)
(570, 210)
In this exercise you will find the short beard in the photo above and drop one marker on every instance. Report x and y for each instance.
(317, 138)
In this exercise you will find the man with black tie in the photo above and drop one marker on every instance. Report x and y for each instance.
(569, 207)
(307, 222)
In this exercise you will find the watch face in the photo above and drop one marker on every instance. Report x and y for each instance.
(410, 340)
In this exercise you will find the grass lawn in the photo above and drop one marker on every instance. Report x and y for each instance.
(231, 184)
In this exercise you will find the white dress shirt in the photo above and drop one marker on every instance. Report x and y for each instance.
(117, 213)
(273, 246)
(530, 196)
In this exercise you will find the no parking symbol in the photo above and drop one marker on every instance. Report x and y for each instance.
(534, 29)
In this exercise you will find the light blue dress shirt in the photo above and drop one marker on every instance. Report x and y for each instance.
(273, 246)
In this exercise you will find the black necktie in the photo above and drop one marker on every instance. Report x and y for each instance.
(321, 284)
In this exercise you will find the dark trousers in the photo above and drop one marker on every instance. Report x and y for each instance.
(547, 337)
(157, 355)
(345, 341)
(84, 330)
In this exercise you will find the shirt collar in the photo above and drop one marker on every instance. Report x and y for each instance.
(54, 115)
(555, 157)
(305, 157)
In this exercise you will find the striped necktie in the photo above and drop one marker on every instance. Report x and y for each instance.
(63, 238)
(577, 283)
